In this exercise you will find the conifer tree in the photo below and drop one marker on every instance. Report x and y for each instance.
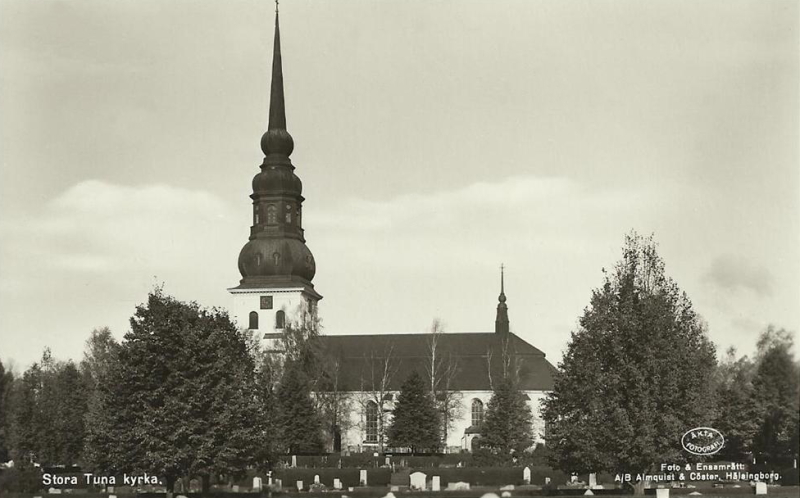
(298, 424)
(416, 422)
(507, 429)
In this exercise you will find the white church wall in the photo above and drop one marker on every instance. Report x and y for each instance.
(290, 301)
(355, 435)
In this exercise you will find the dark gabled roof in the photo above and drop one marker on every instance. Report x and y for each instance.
(475, 355)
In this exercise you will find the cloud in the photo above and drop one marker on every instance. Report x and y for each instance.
(100, 228)
(736, 273)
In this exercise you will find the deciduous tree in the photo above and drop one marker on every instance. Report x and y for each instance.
(636, 374)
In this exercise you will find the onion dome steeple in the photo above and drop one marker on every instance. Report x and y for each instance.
(501, 322)
(276, 254)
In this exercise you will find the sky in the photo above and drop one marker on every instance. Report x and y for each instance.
(435, 141)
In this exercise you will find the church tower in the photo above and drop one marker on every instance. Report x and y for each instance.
(276, 265)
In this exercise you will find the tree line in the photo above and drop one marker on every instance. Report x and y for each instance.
(640, 371)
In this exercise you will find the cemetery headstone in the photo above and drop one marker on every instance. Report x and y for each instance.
(235, 488)
(592, 480)
(436, 483)
(257, 484)
(458, 486)
(662, 493)
(489, 495)
(389, 495)
(417, 480)
(547, 480)
(316, 478)
(388, 461)
(54, 491)
(337, 483)
(294, 461)
(505, 494)
(508, 487)
(588, 493)
(299, 485)
(761, 488)
(526, 475)
(362, 477)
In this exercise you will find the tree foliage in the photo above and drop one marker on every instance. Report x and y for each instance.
(6, 383)
(777, 396)
(416, 421)
(506, 430)
(180, 401)
(737, 412)
(299, 426)
(635, 375)
(49, 402)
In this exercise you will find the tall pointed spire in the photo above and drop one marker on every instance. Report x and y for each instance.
(501, 325)
(277, 140)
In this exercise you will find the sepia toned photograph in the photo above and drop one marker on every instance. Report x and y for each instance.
(384, 248)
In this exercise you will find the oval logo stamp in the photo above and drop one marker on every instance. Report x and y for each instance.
(702, 441)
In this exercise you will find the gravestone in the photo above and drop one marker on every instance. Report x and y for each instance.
(54, 491)
(695, 493)
(257, 484)
(235, 488)
(507, 487)
(389, 495)
(362, 478)
(316, 478)
(417, 480)
(458, 486)
(526, 475)
(337, 483)
(489, 495)
(294, 461)
(110, 489)
(588, 493)
(299, 485)
(592, 480)
(436, 483)
(546, 481)
(505, 494)
(761, 488)
(388, 461)
(662, 493)
(112, 496)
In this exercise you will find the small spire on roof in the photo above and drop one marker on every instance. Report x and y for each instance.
(501, 322)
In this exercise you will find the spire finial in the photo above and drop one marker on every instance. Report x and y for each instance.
(501, 322)
(277, 140)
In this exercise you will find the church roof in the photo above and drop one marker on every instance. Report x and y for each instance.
(477, 358)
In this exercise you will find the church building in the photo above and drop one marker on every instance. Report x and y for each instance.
(277, 270)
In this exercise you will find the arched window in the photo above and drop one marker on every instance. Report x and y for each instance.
(272, 214)
(280, 319)
(477, 412)
(288, 213)
(255, 215)
(253, 320)
(371, 417)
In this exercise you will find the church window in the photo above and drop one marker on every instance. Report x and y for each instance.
(255, 215)
(276, 258)
(288, 213)
(258, 259)
(253, 320)
(272, 214)
(477, 412)
(371, 416)
(266, 302)
(280, 319)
